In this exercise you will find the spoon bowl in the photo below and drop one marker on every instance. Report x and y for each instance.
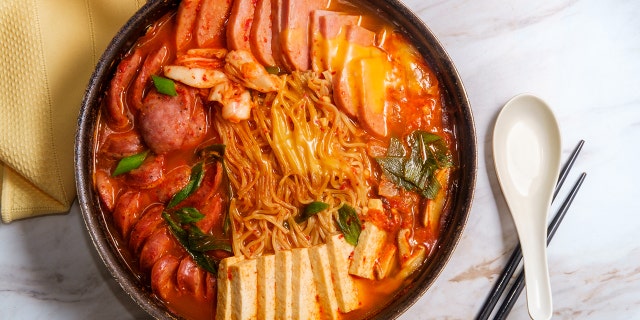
(526, 150)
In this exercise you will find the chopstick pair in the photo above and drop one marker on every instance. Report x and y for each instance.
(518, 285)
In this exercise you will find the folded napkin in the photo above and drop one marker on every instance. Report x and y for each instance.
(48, 50)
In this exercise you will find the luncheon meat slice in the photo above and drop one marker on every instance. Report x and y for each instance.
(168, 123)
(324, 26)
(185, 22)
(118, 116)
(152, 65)
(260, 37)
(295, 31)
(239, 25)
(210, 29)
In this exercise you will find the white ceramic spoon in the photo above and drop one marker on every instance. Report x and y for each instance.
(526, 150)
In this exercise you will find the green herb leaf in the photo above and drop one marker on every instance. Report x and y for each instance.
(349, 224)
(129, 163)
(310, 210)
(273, 69)
(201, 242)
(416, 172)
(164, 85)
(189, 215)
(213, 152)
(197, 174)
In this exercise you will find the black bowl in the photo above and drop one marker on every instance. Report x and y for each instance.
(454, 99)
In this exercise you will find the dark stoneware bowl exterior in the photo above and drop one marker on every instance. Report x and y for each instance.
(454, 99)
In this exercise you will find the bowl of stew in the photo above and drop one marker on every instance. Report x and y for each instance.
(275, 159)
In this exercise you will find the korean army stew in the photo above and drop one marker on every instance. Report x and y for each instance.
(274, 159)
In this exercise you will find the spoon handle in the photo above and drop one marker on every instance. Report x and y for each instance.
(532, 234)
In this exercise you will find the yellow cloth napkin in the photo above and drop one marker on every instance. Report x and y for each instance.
(48, 50)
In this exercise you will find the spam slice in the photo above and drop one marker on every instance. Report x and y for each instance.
(239, 24)
(339, 256)
(367, 251)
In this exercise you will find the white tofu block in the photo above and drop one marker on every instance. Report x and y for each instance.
(266, 287)
(283, 285)
(243, 282)
(304, 304)
(223, 306)
(367, 251)
(339, 258)
(321, 268)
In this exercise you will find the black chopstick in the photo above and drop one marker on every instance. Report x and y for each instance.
(518, 285)
(516, 256)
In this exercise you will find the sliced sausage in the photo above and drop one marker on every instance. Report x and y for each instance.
(127, 211)
(185, 22)
(190, 278)
(212, 211)
(122, 144)
(173, 182)
(149, 175)
(146, 225)
(210, 26)
(152, 65)
(260, 37)
(106, 189)
(239, 25)
(163, 276)
(344, 91)
(166, 122)
(294, 37)
(159, 243)
(117, 111)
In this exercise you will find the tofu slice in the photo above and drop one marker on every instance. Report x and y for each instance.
(243, 285)
(223, 309)
(367, 251)
(321, 268)
(304, 304)
(339, 258)
(266, 287)
(283, 262)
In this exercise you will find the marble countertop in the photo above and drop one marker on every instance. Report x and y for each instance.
(582, 57)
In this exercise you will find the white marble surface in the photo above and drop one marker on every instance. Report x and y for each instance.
(582, 57)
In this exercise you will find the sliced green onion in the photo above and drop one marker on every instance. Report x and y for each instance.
(164, 85)
(189, 215)
(197, 174)
(311, 210)
(273, 69)
(129, 163)
(349, 224)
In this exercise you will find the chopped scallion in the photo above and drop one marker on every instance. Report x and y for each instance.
(129, 163)
(164, 85)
